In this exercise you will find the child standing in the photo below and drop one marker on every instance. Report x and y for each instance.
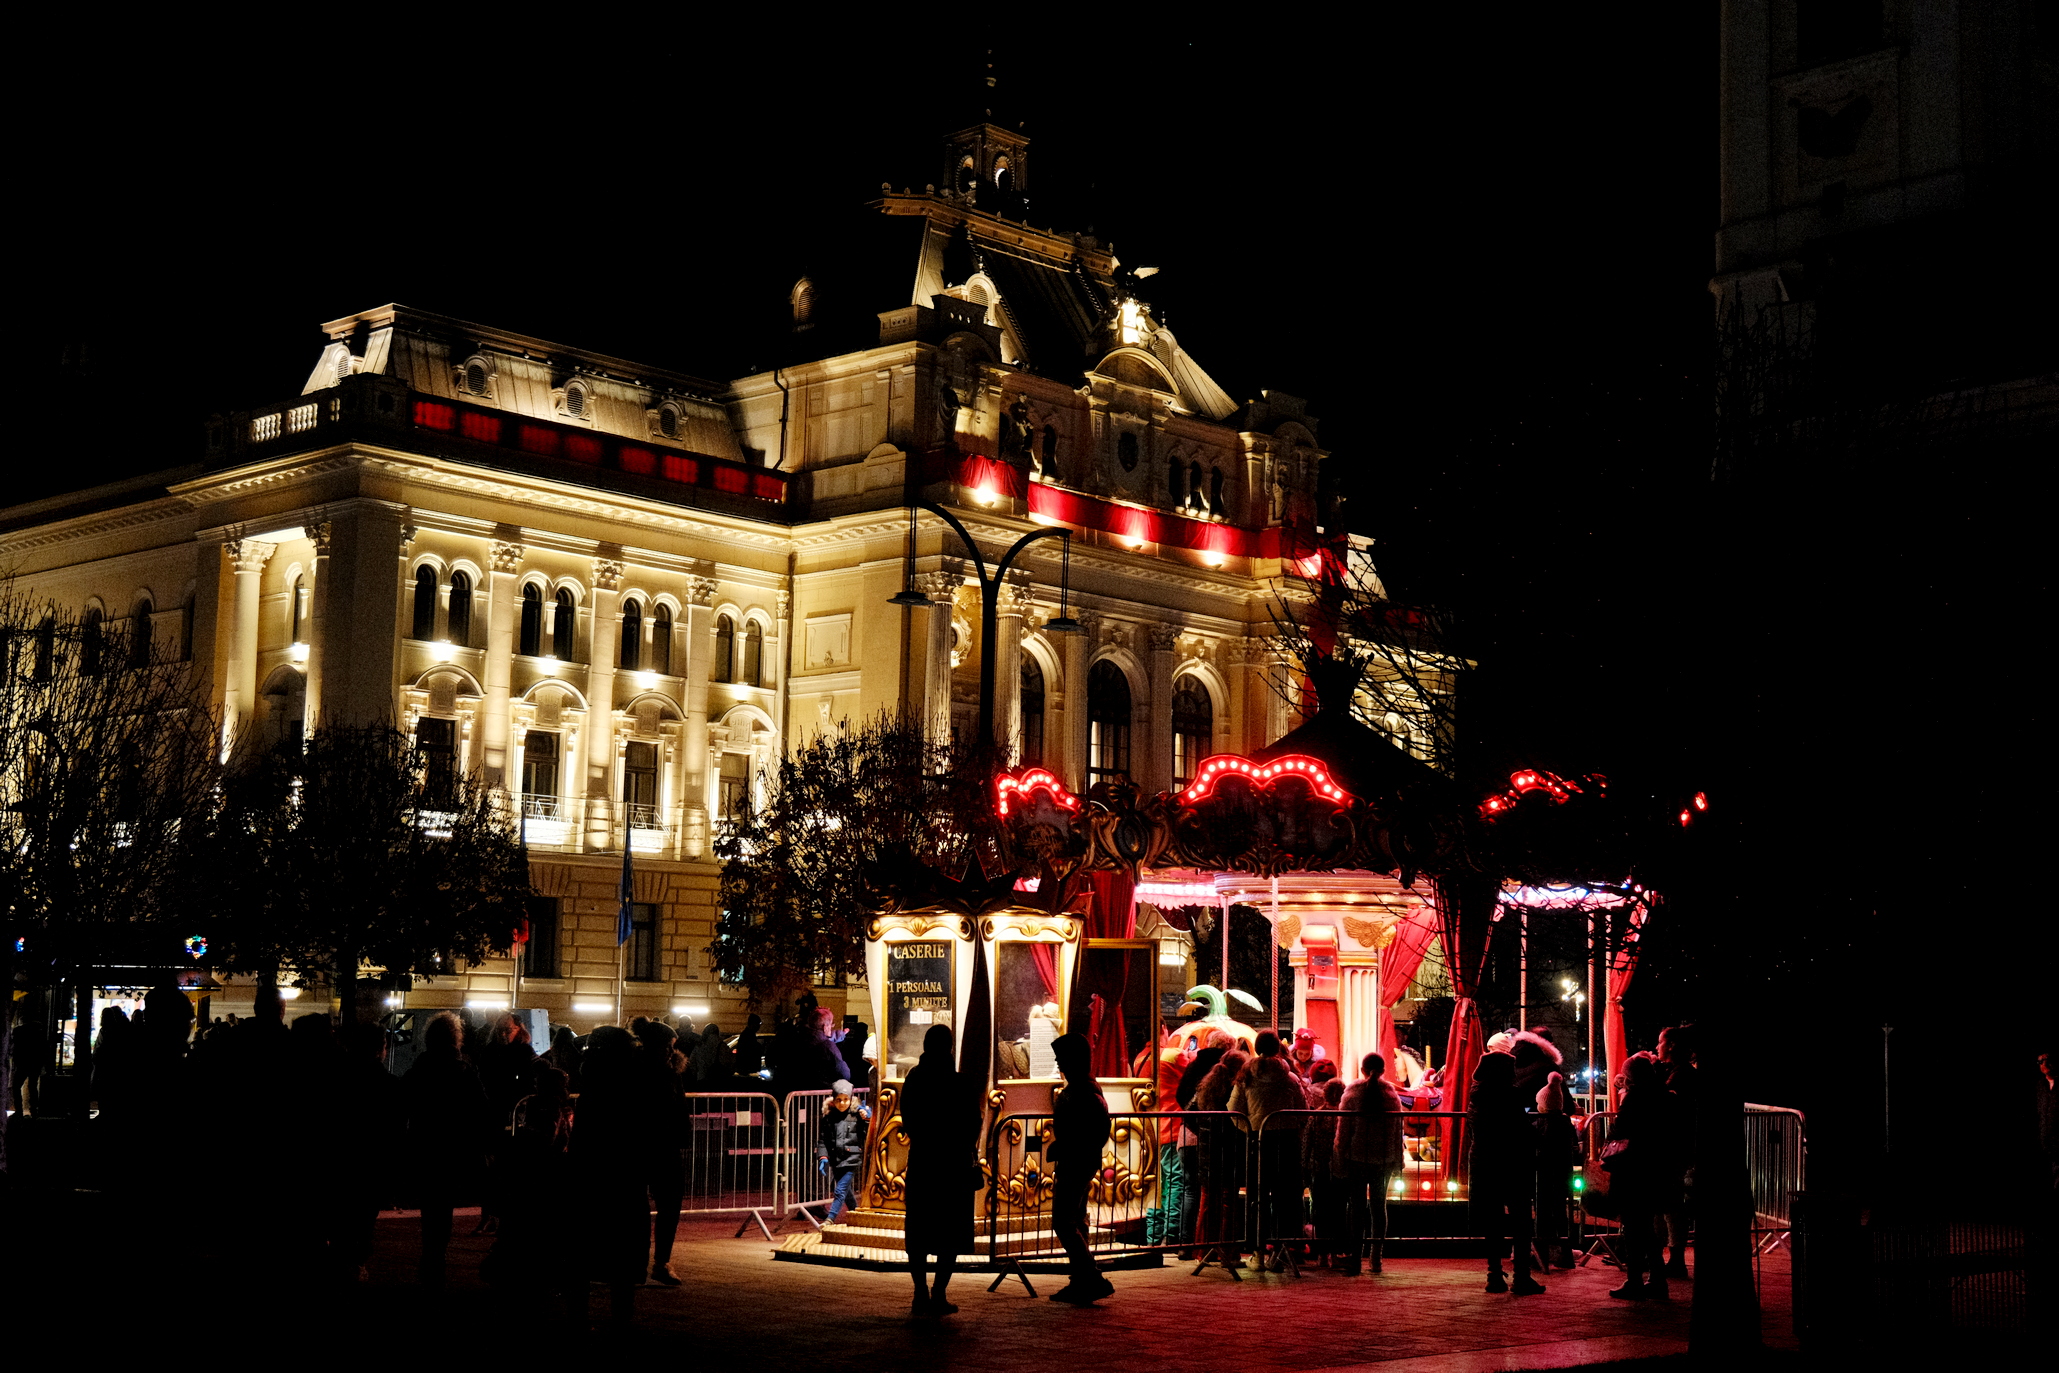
(842, 1149)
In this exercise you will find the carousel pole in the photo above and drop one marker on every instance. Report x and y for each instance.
(1224, 902)
(1593, 952)
(1273, 963)
(1523, 967)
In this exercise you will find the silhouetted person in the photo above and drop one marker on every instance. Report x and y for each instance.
(447, 1122)
(1264, 1087)
(612, 1134)
(538, 1251)
(1369, 1153)
(1645, 1157)
(815, 1061)
(1504, 1169)
(310, 1147)
(1676, 1059)
(1558, 1145)
(1079, 1129)
(713, 1064)
(940, 1116)
(750, 1053)
(564, 1056)
(853, 1050)
(373, 1117)
(1222, 1155)
(661, 1069)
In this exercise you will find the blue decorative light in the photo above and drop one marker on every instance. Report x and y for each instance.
(197, 946)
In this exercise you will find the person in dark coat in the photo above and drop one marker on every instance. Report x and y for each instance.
(1504, 1169)
(662, 1070)
(1222, 1151)
(447, 1130)
(750, 1051)
(1368, 1153)
(1193, 1160)
(537, 1250)
(374, 1115)
(1079, 1130)
(1676, 1054)
(1264, 1088)
(1536, 1059)
(853, 1048)
(1328, 1197)
(612, 1137)
(1642, 1157)
(814, 1061)
(1558, 1144)
(940, 1116)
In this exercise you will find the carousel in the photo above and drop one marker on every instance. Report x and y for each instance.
(1331, 833)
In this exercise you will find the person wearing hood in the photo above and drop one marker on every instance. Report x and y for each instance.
(1267, 1085)
(1536, 1059)
(1557, 1146)
(940, 1115)
(1368, 1153)
(1504, 1169)
(1222, 1152)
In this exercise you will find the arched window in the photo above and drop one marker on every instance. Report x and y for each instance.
(460, 608)
(532, 621)
(299, 610)
(632, 634)
(1126, 452)
(754, 654)
(1032, 711)
(1193, 728)
(425, 603)
(1108, 723)
(89, 642)
(725, 650)
(1050, 452)
(1197, 493)
(1176, 483)
(661, 640)
(1215, 493)
(561, 626)
(45, 665)
(139, 633)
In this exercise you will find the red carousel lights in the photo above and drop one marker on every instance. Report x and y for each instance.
(1524, 783)
(1224, 765)
(1012, 785)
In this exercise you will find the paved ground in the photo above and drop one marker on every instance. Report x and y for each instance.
(741, 1306)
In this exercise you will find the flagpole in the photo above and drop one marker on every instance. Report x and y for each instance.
(522, 949)
(624, 918)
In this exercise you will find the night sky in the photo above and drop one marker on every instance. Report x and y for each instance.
(1477, 241)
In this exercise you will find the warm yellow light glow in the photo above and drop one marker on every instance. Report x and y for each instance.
(486, 1003)
(445, 650)
(986, 495)
(298, 653)
(550, 665)
(694, 1011)
(647, 680)
(289, 993)
(592, 1008)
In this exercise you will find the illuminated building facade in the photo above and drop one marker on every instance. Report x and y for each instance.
(620, 592)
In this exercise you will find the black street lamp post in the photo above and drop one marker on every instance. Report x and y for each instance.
(990, 601)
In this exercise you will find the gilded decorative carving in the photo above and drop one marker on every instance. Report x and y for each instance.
(888, 1184)
(922, 924)
(1064, 929)
(1290, 930)
(1373, 934)
(1119, 1183)
(1143, 1095)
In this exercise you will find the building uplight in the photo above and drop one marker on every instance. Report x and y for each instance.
(395, 1001)
(693, 1012)
(593, 1008)
(444, 650)
(289, 993)
(647, 681)
(298, 653)
(985, 494)
(550, 666)
(486, 1003)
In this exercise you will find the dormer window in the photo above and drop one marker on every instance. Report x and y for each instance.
(575, 399)
(475, 378)
(668, 420)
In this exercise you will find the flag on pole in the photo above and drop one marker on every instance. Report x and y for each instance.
(622, 916)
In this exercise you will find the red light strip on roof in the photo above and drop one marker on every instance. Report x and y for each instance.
(1226, 765)
(1010, 785)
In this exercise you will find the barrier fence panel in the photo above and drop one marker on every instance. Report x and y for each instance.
(1776, 1152)
(806, 1187)
(733, 1152)
(1306, 1201)
(1138, 1201)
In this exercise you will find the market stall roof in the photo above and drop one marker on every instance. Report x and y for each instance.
(1365, 761)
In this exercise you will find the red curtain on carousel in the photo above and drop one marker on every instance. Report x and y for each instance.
(1103, 980)
(1622, 963)
(1398, 964)
(1468, 931)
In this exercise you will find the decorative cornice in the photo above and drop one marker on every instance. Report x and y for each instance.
(94, 526)
(280, 472)
(507, 557)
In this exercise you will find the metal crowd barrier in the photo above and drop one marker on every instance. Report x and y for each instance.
(733, 1151)
(804, 1187)
(1777, 1154)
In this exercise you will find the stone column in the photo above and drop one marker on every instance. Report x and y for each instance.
(602, 646)
(1156, 774)
(1079, 651)
(1017, 598)
(693, 751)
(239, 698)
(1278, 680)
(504, 612)
(1238, 660)
(942, 590)
(318, 533)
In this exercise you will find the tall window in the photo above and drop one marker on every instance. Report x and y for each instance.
(1050, 451)
(725, 649)
(1108, 723)
(1032, 711)
(561, 626)
(425, 603)
(754, 654)
(1126, 451)
(139, 633)
(643, 942)
(460, 608)
(734, 798)
(299, 610)
(540, 954)
(438, 740)
(540, 773)
(1193, 728)
(661, 640)
(90, 642)
(632, 634)
(640, 785)
(45, 665)
(532, 621)
(1176, 483)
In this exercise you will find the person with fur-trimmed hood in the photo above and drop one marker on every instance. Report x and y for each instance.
(1537, 1058)
(1265, 1086)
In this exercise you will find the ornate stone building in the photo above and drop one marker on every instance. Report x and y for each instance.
(619, 591)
